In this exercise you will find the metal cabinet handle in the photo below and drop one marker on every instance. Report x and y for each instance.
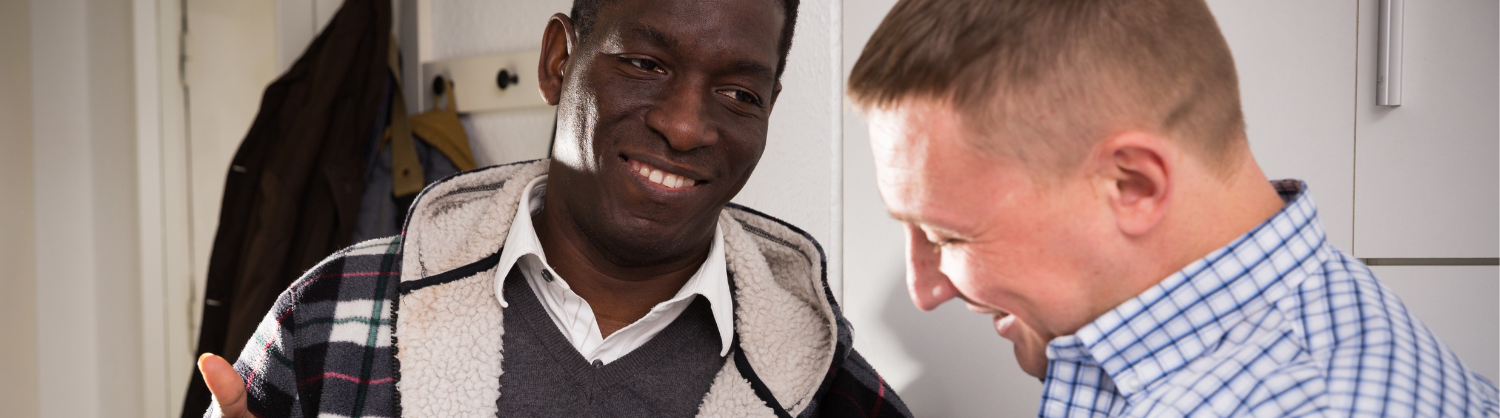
(1388, 66)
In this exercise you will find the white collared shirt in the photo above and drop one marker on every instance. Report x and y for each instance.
(572, 314)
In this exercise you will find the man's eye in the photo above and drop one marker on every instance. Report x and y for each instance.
(741, 95)
(944, 242)
(642, 63)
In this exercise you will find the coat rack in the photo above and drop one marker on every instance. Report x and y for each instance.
(486, 83)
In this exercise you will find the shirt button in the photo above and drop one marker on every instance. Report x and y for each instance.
(547, 275)
(1129, 384)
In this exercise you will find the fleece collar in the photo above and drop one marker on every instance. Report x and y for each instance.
(448, 317)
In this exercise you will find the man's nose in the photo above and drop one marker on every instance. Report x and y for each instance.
(928, 285)
(682, 117)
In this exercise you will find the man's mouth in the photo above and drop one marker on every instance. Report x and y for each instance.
(659, 176)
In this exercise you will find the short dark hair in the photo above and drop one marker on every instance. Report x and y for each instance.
(1045, 80)
(584, 12)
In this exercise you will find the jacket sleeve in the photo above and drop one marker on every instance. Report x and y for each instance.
(858, 391)
(268, 362)
(326, 346)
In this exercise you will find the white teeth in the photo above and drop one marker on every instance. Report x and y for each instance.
(671, 181)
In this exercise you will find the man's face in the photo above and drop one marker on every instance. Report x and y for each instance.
(663, 116)
(981, 227)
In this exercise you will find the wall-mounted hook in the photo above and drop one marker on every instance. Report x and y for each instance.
(506, 78)
(439, 86)
(484, 83)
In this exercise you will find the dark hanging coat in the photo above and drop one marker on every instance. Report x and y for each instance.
(293, 190)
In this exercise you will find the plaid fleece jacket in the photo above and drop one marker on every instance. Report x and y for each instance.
(361, 336)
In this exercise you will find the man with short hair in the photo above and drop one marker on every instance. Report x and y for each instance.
(613, 280)
(1079, 169)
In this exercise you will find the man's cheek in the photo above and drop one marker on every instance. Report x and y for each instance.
(971, 272)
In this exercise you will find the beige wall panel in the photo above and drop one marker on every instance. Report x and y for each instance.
(18, 350)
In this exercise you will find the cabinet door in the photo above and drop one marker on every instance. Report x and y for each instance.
(1295, 60)
(1458, 304)
(1426, 179)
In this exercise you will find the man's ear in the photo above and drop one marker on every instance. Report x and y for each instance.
(1137, 168)
(775, 92)
(558, 43)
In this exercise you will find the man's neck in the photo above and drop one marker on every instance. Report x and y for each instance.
(1210, 214)
(1207, 214)
(618, 295)
(1222, 211)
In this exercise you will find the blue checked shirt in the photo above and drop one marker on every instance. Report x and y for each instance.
(1277, 323)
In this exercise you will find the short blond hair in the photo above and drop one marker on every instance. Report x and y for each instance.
(1044, 80)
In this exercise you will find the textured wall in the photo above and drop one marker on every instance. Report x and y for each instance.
(795, 180)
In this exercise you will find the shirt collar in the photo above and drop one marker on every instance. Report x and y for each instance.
(711, 280)
(1180, 319)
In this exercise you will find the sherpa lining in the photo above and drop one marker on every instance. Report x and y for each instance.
(448, 332)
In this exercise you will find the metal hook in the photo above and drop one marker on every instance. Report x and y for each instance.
(505, 79)
(439, 86)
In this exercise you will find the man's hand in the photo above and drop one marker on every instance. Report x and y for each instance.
(225, 383)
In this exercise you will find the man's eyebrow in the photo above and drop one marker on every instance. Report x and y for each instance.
(925, 223)
(656, 36)
(902, 218)
(753, 68)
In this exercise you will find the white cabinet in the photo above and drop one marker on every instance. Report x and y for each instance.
(1295, 70)
(1415, 181)
(1426, 183)
(1458, 304)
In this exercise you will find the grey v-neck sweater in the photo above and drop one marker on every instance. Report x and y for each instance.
(546, 377)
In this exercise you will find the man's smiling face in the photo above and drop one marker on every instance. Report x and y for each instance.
(663, 112)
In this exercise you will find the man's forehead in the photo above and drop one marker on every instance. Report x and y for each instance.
(927, 170)
(673, 23)
(915, 135)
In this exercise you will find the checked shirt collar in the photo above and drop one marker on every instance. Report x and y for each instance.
(1180, 319)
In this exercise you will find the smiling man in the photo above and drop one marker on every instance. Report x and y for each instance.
(613, 280)
(1083, 165)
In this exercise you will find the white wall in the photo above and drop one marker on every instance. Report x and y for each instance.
(88, 314)
(18, 349)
